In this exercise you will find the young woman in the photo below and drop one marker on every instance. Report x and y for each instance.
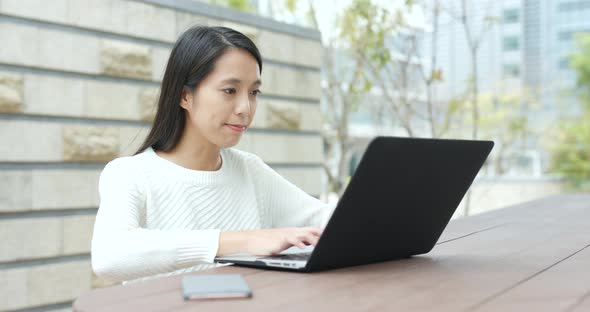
(187, 196)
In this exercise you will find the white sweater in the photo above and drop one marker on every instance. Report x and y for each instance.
(157, 218)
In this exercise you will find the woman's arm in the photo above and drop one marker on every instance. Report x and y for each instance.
(122, 249)
(284, 204)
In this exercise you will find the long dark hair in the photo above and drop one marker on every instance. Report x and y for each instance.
(191, 60)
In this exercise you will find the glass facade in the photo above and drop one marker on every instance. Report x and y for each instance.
(510, 16)
(510, 43)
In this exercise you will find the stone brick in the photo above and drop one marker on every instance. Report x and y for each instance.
(185, 21)
(159, 61)
(13, 289)
(305, 83)
(283, 116)
(277, 46)
(55, 283)
(308, 52)
(86, 98)
(65, 50)
(20, 242)
(251, 32)
(44, 189)
(311, 117)
(53, 44)
(107, 15)
(15, 190)
(84, 55)
(49, 186)
(41, 96)
(296, 83)
(24, 140)
(308, 179)
(286, 148)
(90, 143)
(131, 139)
(20, 43)
(11, 93)
(77, 234)
(125, 59)
(150, 21)
(111, 100)
(289, 49)
(97, 282)
(148, 103)
(37, 9)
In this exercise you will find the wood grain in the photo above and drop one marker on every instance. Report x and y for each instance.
(533, 256)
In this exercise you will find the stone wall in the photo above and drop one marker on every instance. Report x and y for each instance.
(78, 84)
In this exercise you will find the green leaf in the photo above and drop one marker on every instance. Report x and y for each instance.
(291, 5)
(436, 75)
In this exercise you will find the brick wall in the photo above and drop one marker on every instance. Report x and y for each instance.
(78, 84)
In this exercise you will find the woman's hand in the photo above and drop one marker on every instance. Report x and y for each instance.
(267, 242)
(273, 241)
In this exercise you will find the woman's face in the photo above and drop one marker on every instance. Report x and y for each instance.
(223, 105)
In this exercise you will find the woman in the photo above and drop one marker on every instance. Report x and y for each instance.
(186, 196)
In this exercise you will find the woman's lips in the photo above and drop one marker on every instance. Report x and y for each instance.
(237, 128)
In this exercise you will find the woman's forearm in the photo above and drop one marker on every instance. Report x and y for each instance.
(231, 242)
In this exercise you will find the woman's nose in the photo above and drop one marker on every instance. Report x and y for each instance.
(243, 107)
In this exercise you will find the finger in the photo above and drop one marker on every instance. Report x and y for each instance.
(296, 242)
(312, 239)
(314, 230)
(301, 245)
(309, 239)
(315, 235)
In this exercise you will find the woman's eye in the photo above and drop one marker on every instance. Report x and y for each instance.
(255, 92)
(229, 90)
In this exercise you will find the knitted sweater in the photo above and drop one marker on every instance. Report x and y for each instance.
(157, 218)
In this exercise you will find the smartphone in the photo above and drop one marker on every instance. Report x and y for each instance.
(214, 286)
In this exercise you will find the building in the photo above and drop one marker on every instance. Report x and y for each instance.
(524, 49)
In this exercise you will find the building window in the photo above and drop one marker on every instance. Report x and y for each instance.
(564, 63)
(569, 35)
(510, 43)
(565, 35)
(511, 70)
(574, 6)
(510, 16)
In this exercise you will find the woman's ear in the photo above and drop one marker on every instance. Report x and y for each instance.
(186, 98)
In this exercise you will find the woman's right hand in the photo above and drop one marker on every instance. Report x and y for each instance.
(268, 241)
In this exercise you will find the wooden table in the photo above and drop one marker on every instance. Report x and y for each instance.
(530, 257)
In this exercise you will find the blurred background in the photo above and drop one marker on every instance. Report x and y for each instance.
(79, 80)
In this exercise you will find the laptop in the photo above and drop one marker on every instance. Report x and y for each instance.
(396, 205)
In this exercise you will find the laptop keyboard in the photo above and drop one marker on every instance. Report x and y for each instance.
(294, 256)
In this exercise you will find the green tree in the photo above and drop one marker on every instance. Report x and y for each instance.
(240, 5)
(387, 44)
(343, 93)
(474, 37)
(571, 153)
(580, 62)
(505, 119)
(571, 156)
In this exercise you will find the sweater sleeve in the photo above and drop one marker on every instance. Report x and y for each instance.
(284, 204)
(122, 249)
